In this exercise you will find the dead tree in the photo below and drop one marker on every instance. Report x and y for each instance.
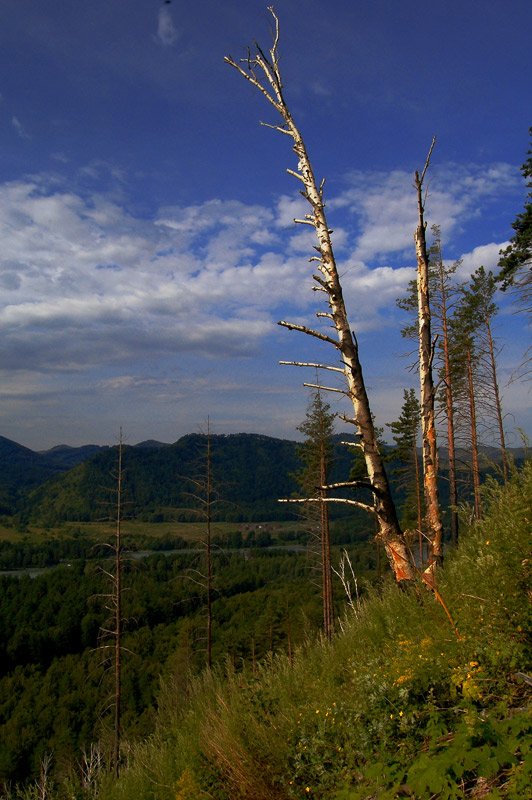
(262, 72)
(112, 628)
(205, 494)
(426, 356)
(443, 305)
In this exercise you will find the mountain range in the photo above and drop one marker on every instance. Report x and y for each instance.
(250, 472)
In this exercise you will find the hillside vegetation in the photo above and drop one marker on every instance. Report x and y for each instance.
(252, 472)
(414, 698)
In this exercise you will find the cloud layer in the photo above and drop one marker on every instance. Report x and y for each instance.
(91, 289)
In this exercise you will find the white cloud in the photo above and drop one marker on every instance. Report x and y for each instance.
(85, 282)
(486, 255)
(18, 126)
(61, 157)
(290, 208)
(384, 204)
(167, 34)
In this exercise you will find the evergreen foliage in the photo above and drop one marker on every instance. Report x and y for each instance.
(518, 254)
(407, 475)
(316, 455)
(54, 687)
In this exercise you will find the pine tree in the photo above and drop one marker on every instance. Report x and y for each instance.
(443, 295)
(316, 455)
(112, 629)
(467, 380)
(480, 292)
(515, 260)
(405, 432)
(206, 495)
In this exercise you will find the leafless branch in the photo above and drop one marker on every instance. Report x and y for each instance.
(310, 364)
(326, 388)
(347, 501)
(303, 328)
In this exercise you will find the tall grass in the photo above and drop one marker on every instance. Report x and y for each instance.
(399, 704)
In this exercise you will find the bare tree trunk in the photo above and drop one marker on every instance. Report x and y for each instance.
(205, 495)
(497, 397)
(474, 440)
(428, 424)
(328, 281)
(208, 548)
(118, 612)
(453, 489)
(328, 614)
(419, 503)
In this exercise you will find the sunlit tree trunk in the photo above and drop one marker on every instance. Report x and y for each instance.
(474, 438)
(419, 501)
(263, 73)
(497, 398)
(428, 423)
(449, 408)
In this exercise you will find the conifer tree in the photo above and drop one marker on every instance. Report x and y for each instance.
(206, 495)
(443, 296)
(480, 293)
(515, 260)
(405, 432)
(316, 455)
(467, 382)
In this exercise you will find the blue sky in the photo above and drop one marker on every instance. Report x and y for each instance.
(145, 216)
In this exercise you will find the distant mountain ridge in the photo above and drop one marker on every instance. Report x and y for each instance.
(23, 469)
(253, 470)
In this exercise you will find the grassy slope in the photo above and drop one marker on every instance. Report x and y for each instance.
(398, 705)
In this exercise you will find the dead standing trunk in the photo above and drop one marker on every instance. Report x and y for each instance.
(328, 608)
(419, 499)
(474, 438)
(449, 403)
(328, 281)
(428, 424)
(496, 395)
(118, 615)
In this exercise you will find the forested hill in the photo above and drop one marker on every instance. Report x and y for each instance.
(21, 470)
(250, 472)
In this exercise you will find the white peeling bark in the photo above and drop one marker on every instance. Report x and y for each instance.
(263, 73)
(428, 424)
